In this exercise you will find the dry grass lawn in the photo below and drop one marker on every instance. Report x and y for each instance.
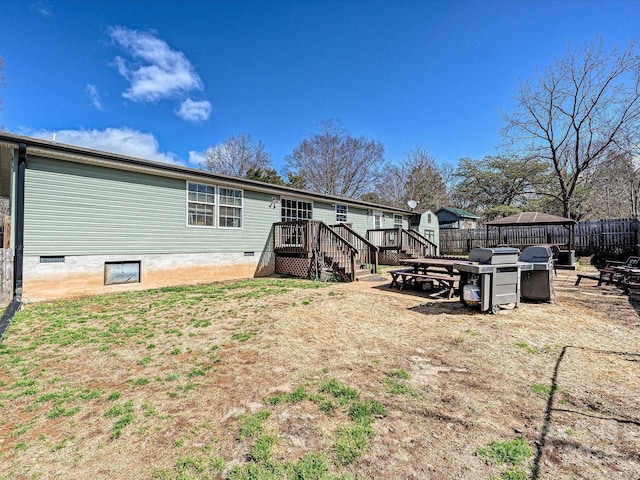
(265, 379)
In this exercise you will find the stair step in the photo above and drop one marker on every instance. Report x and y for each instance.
(362, 272)
(360, 278)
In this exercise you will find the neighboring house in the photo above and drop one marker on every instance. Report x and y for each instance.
(426, 223)
(90, 222)
(456, 218)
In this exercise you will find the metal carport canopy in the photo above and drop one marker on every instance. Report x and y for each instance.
(533, 218)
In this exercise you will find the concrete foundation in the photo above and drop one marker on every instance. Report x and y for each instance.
(81, 276)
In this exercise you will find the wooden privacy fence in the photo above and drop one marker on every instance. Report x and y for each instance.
(590, 237)
(6, 276)
(606, 236)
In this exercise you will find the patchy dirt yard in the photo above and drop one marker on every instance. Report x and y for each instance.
(165, 384)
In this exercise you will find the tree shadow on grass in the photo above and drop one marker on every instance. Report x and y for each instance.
(542, 439)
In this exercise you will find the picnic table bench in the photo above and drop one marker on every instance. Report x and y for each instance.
(617, 272)
(590, 276)
(408, 276)
(625, 275)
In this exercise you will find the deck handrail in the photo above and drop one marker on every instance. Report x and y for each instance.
(318, 241)
(335, 251)
(367, 251)
(292, 236)
(384, 237)
(402, 240)
(412, 243)
(432, 247)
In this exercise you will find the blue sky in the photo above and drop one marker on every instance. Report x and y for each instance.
(165, 80)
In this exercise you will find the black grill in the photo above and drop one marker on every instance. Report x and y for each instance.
(537, 283)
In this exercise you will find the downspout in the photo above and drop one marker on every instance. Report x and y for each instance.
(19, 223)
(16, 303)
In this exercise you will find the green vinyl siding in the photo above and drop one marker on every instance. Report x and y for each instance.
(360, 220)
(358, 217)
(325, 212)
(78, 209)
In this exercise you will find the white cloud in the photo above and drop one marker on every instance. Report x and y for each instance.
(41, 7)
(193, 111)
(94, 95)
(196, 158)
(124, 141)
(158, 72)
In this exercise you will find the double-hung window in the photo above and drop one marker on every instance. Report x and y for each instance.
(201, 204)
(211, 206)
(397, 221)
(341, 213)
(230, 207)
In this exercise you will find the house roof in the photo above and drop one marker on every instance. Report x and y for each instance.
(531, 218)
(77, 154)
(421, 211)
(458, 212)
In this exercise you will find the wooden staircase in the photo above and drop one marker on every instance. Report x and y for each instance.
(396, 244)
(338, 249)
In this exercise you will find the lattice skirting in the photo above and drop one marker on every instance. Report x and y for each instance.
(296, 267)
(391, 257)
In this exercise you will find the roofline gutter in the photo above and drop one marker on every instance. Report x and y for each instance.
(126, 162)
(18, 261)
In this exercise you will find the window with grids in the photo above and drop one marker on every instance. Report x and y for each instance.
(397, 221)
(430, 235)
(229, 207)
(295, 210)
(201, 203)
(341, 213)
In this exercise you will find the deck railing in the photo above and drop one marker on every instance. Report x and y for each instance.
(385, 238)
(419, 243)
(333, 251)
(367, 251)
(407, 241)
(318, 241)
(292, 237)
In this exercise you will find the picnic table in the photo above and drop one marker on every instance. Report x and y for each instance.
(427, 270)
(618, 272)
(423, 265)
(622, 274)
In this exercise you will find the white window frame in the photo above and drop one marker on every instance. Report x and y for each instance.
(342, 217)
(215, 204)
(292, 199)
(221, 205)
(430, 234)
(397, 224)
(212, 204)
(377, 219)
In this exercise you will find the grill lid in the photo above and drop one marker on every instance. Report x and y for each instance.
(536, 254)
(494, 256)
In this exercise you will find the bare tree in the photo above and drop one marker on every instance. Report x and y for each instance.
(613, 190)
(333, 162)
(583, 108)
(236, 156)
(416, 177)
(2, 84)
(635, 187)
